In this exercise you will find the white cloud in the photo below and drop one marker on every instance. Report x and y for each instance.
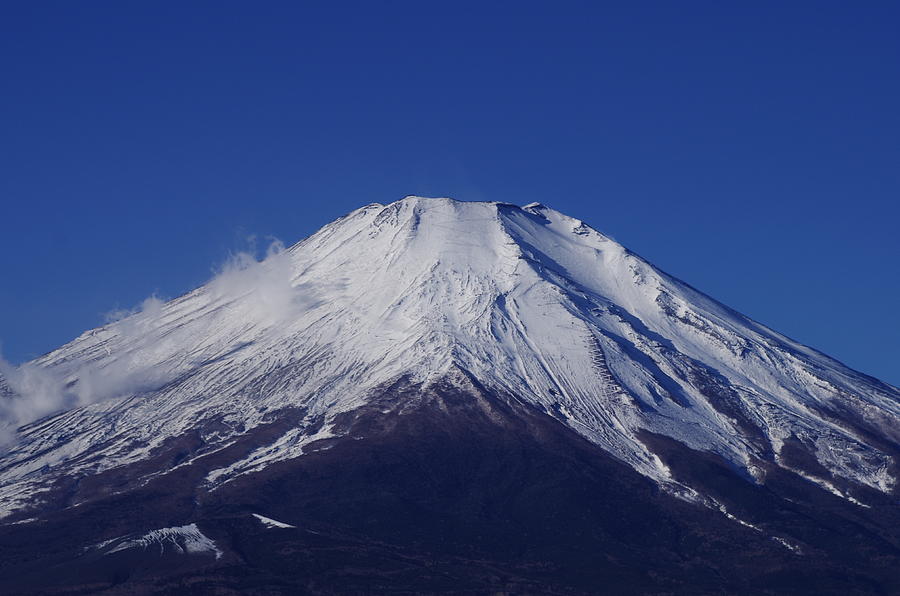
(143, 353)
(36, 392)
(150, 308)
(33, 391)
(263, 290)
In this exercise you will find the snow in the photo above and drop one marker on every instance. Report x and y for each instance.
(289, 444)
(271, 523)
(791, 547)
(24, 521)
(183, 539)
(733, 518)
(529, 301)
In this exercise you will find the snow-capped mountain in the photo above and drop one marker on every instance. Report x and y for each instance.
(380, 311)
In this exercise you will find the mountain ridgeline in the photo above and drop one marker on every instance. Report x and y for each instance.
(435, 396)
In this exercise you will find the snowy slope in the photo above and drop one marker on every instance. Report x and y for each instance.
(535, 305)
(182, 540)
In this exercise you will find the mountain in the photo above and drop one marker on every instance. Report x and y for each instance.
(447, 397)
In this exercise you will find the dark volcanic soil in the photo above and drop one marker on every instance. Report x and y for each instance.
(457, 494)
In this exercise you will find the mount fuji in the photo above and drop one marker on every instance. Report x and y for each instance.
(446, 397)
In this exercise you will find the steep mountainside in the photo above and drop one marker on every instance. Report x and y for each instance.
(430, 363)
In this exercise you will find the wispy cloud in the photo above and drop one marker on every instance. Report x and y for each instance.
(142, 350)
(31, 392)
(150, 307)
(262, 289)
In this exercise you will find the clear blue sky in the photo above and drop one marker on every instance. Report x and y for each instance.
(751, 149)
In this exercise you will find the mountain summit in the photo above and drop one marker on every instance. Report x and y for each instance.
(428, 383)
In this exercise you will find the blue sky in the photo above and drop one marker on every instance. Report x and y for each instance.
(752, 150)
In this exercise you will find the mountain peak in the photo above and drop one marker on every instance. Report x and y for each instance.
(527, 367)
(421, 199)
(530, 302)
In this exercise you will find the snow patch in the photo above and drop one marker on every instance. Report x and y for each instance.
(791, 547)
(183, 540)
(271, 523)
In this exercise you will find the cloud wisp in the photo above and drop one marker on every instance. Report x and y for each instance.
(143, 351)
(262, 289)
(29, 392)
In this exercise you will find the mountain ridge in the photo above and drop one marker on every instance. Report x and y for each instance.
(462, 299)
(393, 317)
